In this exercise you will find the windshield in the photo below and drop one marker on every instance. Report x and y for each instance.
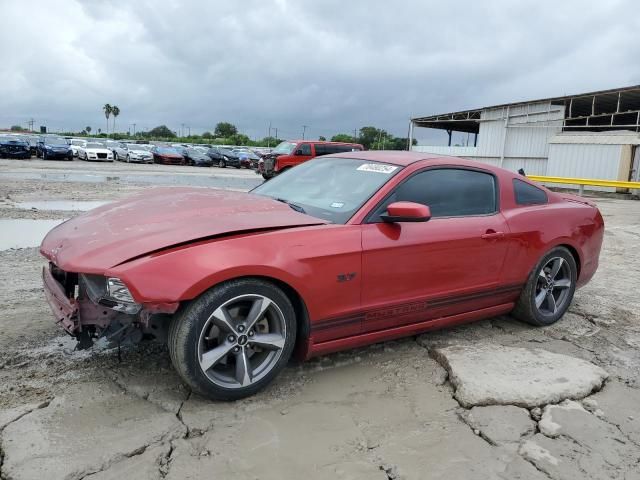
(94, 145)
(284, 148)
(329, 188)
(194, 151)
(134, 146)
(56, 141)
(77, 142)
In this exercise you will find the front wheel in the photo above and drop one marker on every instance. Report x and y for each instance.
(222, 163)
(549, 289)
(234, 339)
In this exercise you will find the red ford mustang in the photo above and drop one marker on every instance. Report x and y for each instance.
(341, 251)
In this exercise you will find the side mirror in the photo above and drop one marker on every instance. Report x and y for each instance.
(406, 212)
(298, 152)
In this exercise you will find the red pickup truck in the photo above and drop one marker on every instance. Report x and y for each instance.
(294, 152)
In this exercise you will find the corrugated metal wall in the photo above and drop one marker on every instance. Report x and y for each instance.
(528, 130)
(585, 161)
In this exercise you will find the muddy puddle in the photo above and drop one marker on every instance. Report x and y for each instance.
(23, 233)
(60, 205)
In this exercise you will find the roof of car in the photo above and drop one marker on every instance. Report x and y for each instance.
(401, 158)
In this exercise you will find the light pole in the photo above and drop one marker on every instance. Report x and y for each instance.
(304, 129)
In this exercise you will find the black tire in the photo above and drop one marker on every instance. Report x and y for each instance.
(128, 159)
(222, 163)
(44, 155)
(526, 308)
(189, 326)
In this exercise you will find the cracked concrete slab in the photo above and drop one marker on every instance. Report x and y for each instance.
(145, 466)
(570, 420)
(10, 415)
(85, 430)
(309, 441)
(500, 425)
(620, 405)
(500, 375)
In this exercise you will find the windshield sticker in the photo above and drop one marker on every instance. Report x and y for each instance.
(337, 205)
(377, 168)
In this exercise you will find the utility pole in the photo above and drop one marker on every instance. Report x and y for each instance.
(189, 128)
(134, 129)
(355, 138)
(304, 129)
(269, 137)
(276, 128)
(182, 130)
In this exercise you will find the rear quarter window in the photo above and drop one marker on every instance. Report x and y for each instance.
(527, 194)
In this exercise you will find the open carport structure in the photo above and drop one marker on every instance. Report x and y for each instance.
(518, 135)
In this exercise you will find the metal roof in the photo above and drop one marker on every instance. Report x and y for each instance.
(597, 138)
(599, 110)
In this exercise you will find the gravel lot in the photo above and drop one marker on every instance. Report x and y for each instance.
(493, 399)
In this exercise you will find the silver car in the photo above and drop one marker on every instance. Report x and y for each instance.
(138, 153)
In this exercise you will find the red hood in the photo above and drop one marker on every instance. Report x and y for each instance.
(161, 218)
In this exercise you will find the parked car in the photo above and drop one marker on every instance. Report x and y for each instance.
(223, 156)
(138, 153)
(120, 151)
(195, 157)
(51, 147)
(95, 152)
(33, 144)
(167, 156)
(339, 252)
(74, 144)
(291, 153)
(248, 159)
(14, 147)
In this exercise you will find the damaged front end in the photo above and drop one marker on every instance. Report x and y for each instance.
(94, 306)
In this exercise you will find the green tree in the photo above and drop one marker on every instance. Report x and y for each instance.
(115, 111)
(207, 135)
(88, 129)
(17, 128)
(225, 130)
(107, 109)
(240, 139)
(322, 139)
(162, 131)
(342, 137)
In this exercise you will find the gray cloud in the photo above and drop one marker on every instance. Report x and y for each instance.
(332, 65)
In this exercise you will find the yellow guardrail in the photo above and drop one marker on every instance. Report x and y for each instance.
(581, 182)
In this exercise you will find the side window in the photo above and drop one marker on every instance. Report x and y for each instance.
(306, 149)
(527, 194)
(321, 149)
(448, 192)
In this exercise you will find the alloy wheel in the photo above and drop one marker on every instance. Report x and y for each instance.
(242, 341)
(553, 286)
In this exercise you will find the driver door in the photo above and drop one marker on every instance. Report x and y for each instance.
(451, 264)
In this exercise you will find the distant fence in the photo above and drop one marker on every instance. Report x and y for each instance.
(581, 182)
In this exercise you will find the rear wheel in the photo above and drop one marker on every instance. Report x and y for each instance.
(222, 163)
(234, 339)
(549, 289)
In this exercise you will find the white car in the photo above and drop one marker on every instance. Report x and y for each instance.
(138, 153)
(94, 151)
(75, 143)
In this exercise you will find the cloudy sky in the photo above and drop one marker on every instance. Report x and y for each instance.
(332, 65)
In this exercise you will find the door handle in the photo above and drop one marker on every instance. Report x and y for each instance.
(492, 235)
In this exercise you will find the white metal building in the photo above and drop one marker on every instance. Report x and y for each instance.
(590, 135)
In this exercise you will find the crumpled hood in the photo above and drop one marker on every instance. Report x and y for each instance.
(160, 218)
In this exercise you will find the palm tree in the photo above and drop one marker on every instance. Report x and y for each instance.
(115, 111)
(88, 129)
(107, 112)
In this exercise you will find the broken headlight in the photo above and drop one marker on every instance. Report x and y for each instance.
(118, 291)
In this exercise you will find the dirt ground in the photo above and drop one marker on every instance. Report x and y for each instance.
(388, 411)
